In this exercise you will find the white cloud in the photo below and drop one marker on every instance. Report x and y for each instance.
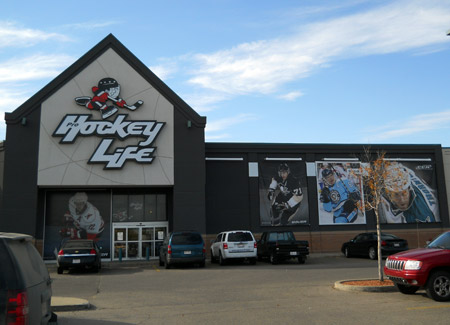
(413, 125)
(12, 35)
(222, 124)
(293, 95)
(265, 66)
(89, 25)
(33, 67)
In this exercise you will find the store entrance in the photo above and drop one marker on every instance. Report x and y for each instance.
(134, 241)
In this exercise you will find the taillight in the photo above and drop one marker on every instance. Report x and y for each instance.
(169, 249)
(204, 249)
(383, 243)
(92, 252)
(225, 246)
(255, 245)
(17, 308)
(61, 252)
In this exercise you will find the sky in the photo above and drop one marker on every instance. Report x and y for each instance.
(310, 71)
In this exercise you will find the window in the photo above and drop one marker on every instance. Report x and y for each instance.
(139, 207)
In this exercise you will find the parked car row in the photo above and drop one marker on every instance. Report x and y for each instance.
(235, 245)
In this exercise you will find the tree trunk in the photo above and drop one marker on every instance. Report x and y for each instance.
(380, 259)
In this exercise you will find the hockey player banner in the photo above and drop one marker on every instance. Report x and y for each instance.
(77, 215)
(283, 193)
(339, 189)
(409, 195)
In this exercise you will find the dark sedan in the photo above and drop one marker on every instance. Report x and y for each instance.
(365, 244)
(79, 253)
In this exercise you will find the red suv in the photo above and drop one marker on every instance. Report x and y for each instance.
(427, 268)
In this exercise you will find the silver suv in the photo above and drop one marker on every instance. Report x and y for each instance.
(235, 244)
(25, 285)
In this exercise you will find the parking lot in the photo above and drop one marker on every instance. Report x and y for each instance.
(288, 293)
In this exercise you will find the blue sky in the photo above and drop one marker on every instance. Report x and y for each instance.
(260, 71)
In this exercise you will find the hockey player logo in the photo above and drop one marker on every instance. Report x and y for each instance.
(107, 92)
(285, 195)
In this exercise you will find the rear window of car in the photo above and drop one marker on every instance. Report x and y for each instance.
(239, 236)
(387, 236)
(8, 277)
(187, 239)
(78, 244)
(29, 261)
(281, 236)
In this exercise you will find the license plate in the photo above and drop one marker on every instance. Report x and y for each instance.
(187, 252)
(396, 245)
(76, 261)
(240, 245)
(293, 253)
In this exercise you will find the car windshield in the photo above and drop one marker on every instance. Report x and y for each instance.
(78, 244)
(186, 239)
(443, 241)
(239, 236)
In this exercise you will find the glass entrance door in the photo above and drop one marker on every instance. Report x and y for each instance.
(137, 241)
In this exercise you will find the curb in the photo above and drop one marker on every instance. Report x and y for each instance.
(340, 285)
(69, 304)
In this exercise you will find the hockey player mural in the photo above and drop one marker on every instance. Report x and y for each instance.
(339, 191)
(408, 198)
(283, 198)
(77, 215)
(107, 90)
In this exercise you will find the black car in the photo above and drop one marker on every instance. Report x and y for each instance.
(282, 245)
(25, 285)
(79, 253)
(366, 244)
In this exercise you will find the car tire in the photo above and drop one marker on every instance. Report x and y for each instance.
(407, 290)
(438, 286)
(222, 261)
(347, 252)
(213, 259)
(302, 259)
(60, 270)
(372, 253)
(273, 259)
(166, 263)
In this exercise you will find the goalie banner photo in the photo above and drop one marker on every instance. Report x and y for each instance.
(77, 215)
(283, 194)
(339, 189)
(409, 195)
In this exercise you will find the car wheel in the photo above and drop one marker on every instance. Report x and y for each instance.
(302, 259)
(60, 270)
(438, 286)
(221, 259)
(213, 259)
(166, 263)
(253, 261)
(372, 253)
(407, 290)
(347, 252)
(273, 259)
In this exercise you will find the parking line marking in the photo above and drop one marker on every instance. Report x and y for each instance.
(429, 307)
(156, 268)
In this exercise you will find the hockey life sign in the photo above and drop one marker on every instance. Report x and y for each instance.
(106, 100)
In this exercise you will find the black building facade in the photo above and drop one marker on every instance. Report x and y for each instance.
(107, 151)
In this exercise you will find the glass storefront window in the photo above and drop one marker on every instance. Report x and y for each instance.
(147, 233)
(133, 234)
(120, 208)
(150, 207)
(136, 208)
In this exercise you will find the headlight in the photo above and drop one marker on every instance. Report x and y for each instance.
(413, 265)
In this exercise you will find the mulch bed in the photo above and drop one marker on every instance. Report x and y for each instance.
(369, 283)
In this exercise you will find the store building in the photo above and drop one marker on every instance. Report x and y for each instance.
(108, 151)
